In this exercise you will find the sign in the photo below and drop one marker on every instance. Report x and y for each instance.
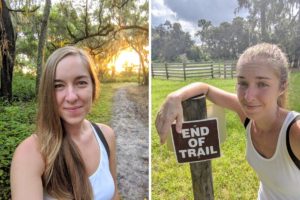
(198, 141)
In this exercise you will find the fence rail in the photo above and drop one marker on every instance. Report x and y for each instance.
(193, 70)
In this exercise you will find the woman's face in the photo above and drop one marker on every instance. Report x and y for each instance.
(258, 89)
(74, 89)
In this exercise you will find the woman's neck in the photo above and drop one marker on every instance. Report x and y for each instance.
(270, 121)
(76, 130)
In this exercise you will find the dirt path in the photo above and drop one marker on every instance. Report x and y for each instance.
(132, 144)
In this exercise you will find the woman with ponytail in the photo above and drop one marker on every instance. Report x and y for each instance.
(67, 157)
(272, 131)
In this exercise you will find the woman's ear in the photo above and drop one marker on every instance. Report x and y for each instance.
(283, 87)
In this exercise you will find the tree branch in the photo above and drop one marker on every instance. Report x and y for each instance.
(134, 27)
(103, 32)
(121, 5)
(86, 19)
(70, 32)
(24, 10)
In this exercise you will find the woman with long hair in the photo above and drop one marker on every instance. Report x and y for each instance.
(273, 132)
(68, 157)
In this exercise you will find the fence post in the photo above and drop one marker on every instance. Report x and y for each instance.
(166, 67)
(231, 71)
(224, 70)
(212, 70)
(152, 70)
(184, 73)
(219, 69)
(195, 109)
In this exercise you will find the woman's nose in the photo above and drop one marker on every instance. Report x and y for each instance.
(250, 94)
(71, 94)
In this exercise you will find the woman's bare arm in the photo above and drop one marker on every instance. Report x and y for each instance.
(26, 171)
(172, 110)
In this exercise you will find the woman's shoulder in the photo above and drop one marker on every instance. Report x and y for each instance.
(295, 124)
(295, 130)
(108, 132)
(28, 155)
(294, 133)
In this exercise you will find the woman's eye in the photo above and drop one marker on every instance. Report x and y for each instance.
(82, 83)
(57, 86)
(242, 84)
(262, 84)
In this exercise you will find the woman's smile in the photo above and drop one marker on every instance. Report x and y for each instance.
(74, 110)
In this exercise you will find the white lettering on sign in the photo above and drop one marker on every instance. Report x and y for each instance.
(200, 152)
(197, 141)
(193, 142)
(197, 131)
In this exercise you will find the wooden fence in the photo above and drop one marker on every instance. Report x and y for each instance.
(193, 70)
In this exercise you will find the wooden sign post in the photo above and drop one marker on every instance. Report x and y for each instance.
(195, 109)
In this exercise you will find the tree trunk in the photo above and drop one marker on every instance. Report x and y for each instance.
(296, 61)
(142, 62)
(263, 23)
(145, 75)
(7, 47)
(42, 42)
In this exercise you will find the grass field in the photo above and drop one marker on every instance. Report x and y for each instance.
(232, 176)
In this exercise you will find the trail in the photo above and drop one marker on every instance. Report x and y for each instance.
(132, 147)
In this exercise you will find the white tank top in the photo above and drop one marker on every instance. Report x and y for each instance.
(101, 180)
(279, 176)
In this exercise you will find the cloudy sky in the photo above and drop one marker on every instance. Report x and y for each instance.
(188, 12)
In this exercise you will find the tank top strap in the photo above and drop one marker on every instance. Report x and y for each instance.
(101, 137)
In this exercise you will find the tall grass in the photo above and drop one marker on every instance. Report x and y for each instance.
(233, 178)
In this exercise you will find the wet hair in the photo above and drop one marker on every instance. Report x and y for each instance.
(270, 55)
(65, 175)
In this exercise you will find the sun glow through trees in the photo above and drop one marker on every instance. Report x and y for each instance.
(126, 58)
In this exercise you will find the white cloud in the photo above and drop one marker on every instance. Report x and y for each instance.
(160, 12)
(188, 12)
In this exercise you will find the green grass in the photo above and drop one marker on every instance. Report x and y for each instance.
(233, 178)
(294, 92)
(102, 109)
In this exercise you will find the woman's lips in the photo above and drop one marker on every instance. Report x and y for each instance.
(72, 108)
(251, 106)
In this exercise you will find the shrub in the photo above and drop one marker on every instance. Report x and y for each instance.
(17, 122)
(23, 87)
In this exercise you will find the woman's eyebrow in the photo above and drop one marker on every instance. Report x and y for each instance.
(263, 77)
(258, 77)
(76, 78)
(82, 76)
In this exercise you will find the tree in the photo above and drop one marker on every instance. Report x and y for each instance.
(7, 47)
(169, 41)
(86, 24)
(103, 33)
(225, 41)
(137, 39)
(42, 40)
(279, 23)
(260, 8)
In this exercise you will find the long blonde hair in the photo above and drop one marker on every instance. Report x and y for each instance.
(65, 175)
(273, 56)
